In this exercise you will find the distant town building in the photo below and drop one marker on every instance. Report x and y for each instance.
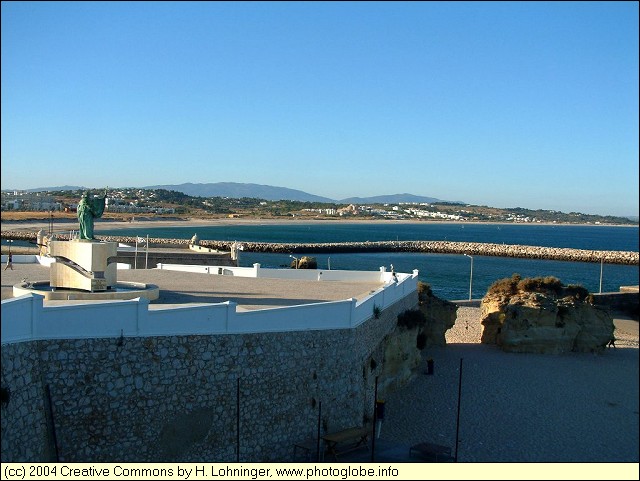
(29, 201)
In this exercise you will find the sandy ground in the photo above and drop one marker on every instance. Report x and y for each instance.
(72, 224)
(109, 224)
(176, 221)
(522, 407)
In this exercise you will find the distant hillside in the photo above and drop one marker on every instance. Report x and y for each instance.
(222, 199)
(390, 199)
(267, 192)
(239, 190)
(49, 189)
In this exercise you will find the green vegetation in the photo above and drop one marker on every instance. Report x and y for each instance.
(513, 285)
(579, 292)
(424, 289)
(183, 204)
(549, 284)
(411, 319)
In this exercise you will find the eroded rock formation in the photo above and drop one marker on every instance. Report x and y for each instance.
(416, 329)
(402, 359)
(440, 315)
(551, 320)
(305, 262)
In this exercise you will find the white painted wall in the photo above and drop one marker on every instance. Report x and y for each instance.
(26, 318)
(287, 274)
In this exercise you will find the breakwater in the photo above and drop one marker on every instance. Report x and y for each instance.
(427, 247)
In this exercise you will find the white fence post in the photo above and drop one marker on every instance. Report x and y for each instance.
(37, 305)
(231, 314)
(352, 311)
(142, 312)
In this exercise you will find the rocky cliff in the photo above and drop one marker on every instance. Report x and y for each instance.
(415, 330)
(440, 315)
(537, 316)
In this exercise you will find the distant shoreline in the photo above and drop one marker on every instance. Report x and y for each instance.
(107, 224)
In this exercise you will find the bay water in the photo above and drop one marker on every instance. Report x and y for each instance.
(451, 276)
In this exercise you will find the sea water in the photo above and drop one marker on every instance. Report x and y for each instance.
(449, 275)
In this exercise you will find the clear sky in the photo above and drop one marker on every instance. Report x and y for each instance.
(504, 104)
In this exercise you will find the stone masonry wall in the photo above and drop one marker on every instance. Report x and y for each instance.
(174, 398)
(23, 416)
(626, 301)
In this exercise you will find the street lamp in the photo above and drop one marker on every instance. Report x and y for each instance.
(10, 241)
(296, 259)
(470, 275)
(601, 264)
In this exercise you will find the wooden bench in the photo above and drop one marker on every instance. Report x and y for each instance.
(432, 451)
(347, 440)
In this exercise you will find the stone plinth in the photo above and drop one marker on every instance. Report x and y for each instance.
(84, 265)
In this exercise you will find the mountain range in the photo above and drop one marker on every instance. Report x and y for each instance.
(268, 192)
(237, 190)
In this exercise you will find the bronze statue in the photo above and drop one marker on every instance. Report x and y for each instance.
(88, 209)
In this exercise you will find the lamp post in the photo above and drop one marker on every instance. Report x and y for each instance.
(601, 264)
(470, 275)
(296, 259)
(10, 241)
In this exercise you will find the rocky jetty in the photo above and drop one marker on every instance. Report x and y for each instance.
(304, 262)
(550, 318)
(427, 247)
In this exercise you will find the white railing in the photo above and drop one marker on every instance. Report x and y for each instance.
(42, 260)
(287, 274)
(19, 258)
(26, 318)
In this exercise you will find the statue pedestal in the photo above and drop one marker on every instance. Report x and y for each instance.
(85, 265)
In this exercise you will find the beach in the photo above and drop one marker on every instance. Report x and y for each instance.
(71, 222)
(67, 224)
(573, 407)
(103, 224)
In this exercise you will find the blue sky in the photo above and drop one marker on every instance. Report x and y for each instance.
(505, 104)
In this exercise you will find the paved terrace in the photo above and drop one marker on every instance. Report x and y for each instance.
(250, 293)
(188, 288)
